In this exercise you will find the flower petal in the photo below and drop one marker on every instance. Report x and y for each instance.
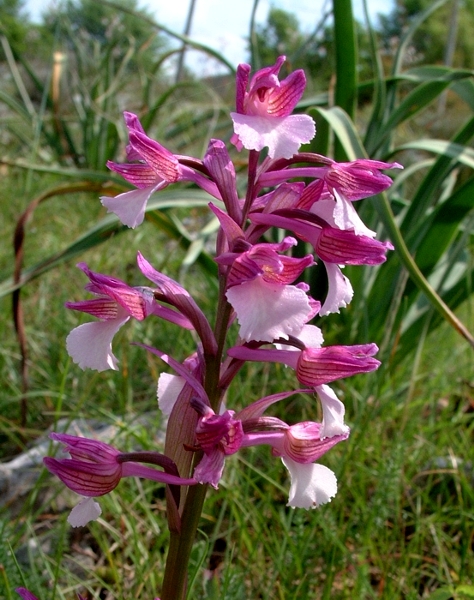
(25, 594)
(268, 311)
(311, 484)
(340, 290)
(210, 469)
(169, 388)
(282, 135)
(90, 344)
(333, 413)
(87, 510)
(129, 206)
(346, 217)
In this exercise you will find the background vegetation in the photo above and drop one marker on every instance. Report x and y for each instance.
(402, 524)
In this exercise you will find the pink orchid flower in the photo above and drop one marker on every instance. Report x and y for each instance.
(263, 117)
(90, 344)
(95, 468)
(259, 290)
(151, 168)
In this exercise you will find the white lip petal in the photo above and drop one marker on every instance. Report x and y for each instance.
(282, 135)
(268, 311)
(129, 206)
(311, 484)
(340, 290)
(90, 344)
(346, 217)
(87, 510)
(169, 388)
(333, 413)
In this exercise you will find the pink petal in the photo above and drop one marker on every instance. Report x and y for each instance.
(282, 135)
(102, 308)
(90, 344)
(159, 158)
(138, 174)
(25, 594)
(268, 311)
(283, 99)
(210, 469)
(87, 510)
(129, 206)
(311, 484)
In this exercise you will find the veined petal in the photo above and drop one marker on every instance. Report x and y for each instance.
(87, 510)
(138, 174)
(304, 444)
(283, 99)
(360, 178)
(340, 290)
(222, 170)
(83, 477)
(282, 135)
(160, 159)
(102, 308)
(90, 344)
(317, 366)
(129, 206)
(86, 449)
(333, 413)
(241, 81)
(268, 311)
(344, 247)
(311, 484)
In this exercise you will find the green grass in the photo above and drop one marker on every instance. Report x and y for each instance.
(401, 525)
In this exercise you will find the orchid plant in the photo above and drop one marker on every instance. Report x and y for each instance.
(260, 294)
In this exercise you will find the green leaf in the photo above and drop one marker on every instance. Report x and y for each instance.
(413, 103)
(345, 131)
(450, 154)
(462, 154)
(467, 590)
(441, 226)
(441, 594)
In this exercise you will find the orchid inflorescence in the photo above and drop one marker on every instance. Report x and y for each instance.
(306, 194)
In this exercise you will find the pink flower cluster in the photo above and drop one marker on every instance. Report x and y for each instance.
(308, 195)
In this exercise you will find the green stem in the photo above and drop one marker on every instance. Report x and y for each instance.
(181, 545)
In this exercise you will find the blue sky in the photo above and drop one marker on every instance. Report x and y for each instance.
(224, 25)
